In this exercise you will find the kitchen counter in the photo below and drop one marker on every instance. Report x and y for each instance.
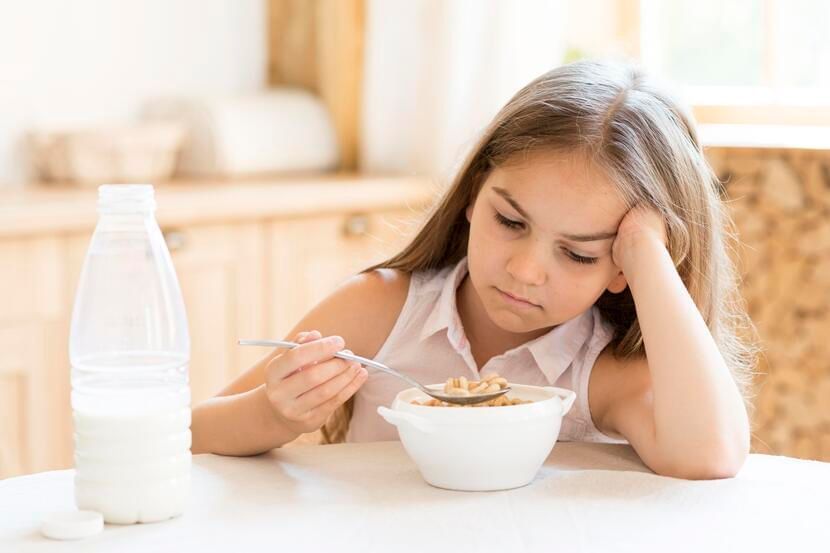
(45, 209)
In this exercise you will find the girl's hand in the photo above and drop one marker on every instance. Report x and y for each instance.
(306, 384)
(642, 227)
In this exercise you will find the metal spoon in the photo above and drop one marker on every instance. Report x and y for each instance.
(439, 395)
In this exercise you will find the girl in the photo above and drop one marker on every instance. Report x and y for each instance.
(582, 245)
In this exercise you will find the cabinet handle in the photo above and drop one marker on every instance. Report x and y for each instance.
(175, 240)
(356, 225)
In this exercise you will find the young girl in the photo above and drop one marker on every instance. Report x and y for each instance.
(582, 245)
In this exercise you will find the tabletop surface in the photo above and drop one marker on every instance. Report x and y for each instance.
(370, 497)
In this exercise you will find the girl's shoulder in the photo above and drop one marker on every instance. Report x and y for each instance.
(366, 307)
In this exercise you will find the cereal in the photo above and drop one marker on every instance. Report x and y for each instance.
(460, 386)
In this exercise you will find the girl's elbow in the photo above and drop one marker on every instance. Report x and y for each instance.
(731, 454)
(714, 469)
(716, 463)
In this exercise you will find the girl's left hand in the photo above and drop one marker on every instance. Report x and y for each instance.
(641, 227)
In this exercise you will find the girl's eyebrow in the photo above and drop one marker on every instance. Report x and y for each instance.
(590, 237)
(594, 237)
(506, 195)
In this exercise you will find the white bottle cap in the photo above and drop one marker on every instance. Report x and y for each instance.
(72, 525)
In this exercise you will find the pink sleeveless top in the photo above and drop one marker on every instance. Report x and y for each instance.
(427, 342)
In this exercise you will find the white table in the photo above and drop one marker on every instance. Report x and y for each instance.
(370, 497)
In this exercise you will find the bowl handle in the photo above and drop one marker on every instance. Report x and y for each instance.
(567, 397)
(398, 418)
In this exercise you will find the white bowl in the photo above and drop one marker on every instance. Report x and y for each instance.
(480, 448)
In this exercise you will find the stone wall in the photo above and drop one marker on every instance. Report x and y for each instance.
(780, 201)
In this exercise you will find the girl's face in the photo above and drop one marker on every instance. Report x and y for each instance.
(541, 232)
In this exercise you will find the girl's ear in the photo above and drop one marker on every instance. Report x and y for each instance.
(469, 213)
(618, 284)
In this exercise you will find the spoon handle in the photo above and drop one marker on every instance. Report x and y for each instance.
(341, 354)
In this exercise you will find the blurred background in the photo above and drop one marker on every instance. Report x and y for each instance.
(294, 142)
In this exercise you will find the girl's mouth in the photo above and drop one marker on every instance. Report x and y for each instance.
(517, 301)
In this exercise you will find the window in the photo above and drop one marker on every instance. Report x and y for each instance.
(740, 61)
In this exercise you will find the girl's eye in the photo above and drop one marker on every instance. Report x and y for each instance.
(580, 258)
(517, 225)
(509, 223)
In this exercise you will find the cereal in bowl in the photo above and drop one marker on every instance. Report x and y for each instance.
(460, 386)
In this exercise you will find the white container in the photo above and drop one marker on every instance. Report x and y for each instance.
(480, 448)
(129, 350)
(282, 130)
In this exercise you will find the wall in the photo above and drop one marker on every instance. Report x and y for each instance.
(780, 201)
(92, 61)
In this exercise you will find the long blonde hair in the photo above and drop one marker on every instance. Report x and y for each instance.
(648, 145)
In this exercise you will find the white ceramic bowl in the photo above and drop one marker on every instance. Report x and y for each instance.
(480, 448)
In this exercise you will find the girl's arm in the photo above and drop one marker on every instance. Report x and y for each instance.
(238, 424)
(259, 411)
(681, 409)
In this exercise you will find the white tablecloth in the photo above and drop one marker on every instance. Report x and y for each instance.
(370, 497)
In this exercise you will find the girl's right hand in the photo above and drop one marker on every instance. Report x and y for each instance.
(306, 384)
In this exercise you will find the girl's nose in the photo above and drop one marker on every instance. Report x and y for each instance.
(525, 267)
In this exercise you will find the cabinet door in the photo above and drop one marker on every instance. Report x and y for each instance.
(35, 431)
(220, 270)
(309, 257)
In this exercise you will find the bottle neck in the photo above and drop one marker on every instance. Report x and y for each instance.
(126, 215)
(141, 222)
(127, 200)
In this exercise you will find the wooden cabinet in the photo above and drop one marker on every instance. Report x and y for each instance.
(34, 377)
(220, 270)
(247, 269)
(309, 257)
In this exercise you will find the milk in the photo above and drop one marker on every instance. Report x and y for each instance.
(142, 479)
(132, 444)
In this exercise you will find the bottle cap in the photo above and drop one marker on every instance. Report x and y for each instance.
(72, 525)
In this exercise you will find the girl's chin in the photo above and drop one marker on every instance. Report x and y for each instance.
(511, 322)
